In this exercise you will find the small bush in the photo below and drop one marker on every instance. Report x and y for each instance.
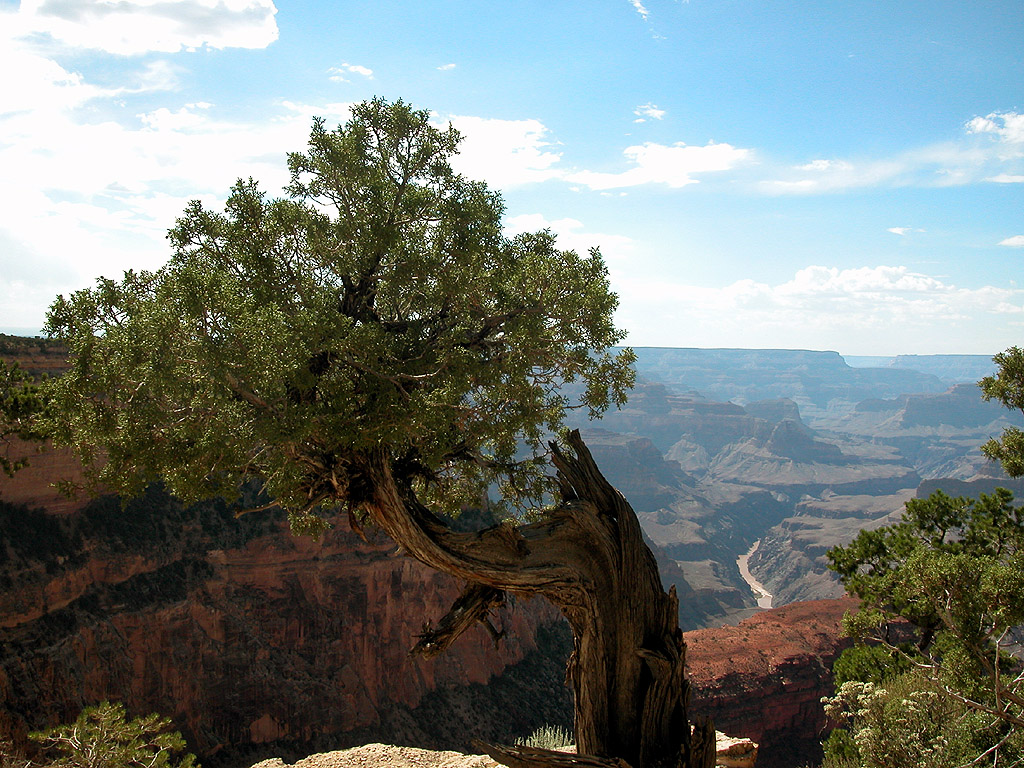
(104, 737)
(911, 722)
(868, 664)
(547, 737)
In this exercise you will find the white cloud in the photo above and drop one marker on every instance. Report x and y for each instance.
(446, 67)
(156, 76)
(674, 165)
(338, 74)
(866, 310)
(825, 165)
(186, 117)
(1017, 241)
(504, 153)
(1008, 126)
(571, 235)
(41, 84)
(648, 110)
(107, 191)
(129, 27)
(834, 175)
(898, 230)
(1007, 178)
(640, 8)
(830, 282)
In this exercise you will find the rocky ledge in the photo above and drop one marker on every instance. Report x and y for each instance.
(732, 753)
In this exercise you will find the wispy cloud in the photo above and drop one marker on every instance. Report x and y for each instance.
(131, 27)
(648, 110)
(991, 150)
(107, 190)
(446, 67)
(640, 8)
(340, 74)
(675, 165)
(1017, 241)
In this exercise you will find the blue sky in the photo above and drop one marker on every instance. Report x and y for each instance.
(822, 175)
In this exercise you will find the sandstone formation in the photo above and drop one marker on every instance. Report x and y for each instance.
(707, 479)
(951, 368)
(35, 483)
(808, 452)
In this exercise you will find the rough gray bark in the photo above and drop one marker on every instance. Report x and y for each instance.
(589, 558)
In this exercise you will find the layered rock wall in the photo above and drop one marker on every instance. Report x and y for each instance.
(246, 636)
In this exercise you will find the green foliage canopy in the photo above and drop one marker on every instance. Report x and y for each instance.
(954, 569)
(951, 564)
(376, 307)
(1007, 386)
(21, 400)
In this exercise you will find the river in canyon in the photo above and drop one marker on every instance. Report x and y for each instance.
(764, 598)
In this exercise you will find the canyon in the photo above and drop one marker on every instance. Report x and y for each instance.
(259, 644)
(248, 636)
(271, 645)
(796, 449)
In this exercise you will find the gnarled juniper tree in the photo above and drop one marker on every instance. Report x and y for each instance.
(373, 341)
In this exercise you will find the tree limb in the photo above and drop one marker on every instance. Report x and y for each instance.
(473, 605)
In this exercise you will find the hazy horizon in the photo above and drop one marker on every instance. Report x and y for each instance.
(854, 361)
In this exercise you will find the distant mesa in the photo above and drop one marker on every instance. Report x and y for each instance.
(819, 382)
(950, 368)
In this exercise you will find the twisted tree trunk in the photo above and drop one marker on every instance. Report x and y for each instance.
(589, 558)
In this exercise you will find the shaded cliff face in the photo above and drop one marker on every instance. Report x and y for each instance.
(250, 638)
(764, 678)
(34, 484)
(938, 434)
(36, 356)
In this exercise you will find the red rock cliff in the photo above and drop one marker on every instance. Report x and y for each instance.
(245, 635)
(764, 678)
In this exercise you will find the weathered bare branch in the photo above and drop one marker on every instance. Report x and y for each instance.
(473, 605)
